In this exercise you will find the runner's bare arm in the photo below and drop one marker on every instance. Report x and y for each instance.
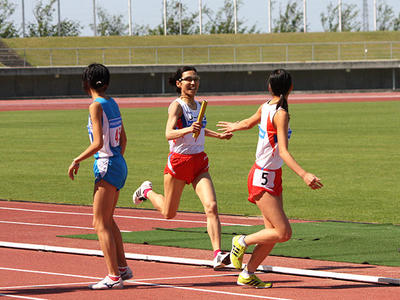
(281, 123)
(175, 112)
(229, 127)
(96, 113)
(221, 136)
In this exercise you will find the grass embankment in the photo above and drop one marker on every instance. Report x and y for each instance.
(127, 50)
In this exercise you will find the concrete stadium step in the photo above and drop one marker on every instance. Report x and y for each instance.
(9, 58)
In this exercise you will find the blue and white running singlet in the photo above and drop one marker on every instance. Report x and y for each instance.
(109, 164)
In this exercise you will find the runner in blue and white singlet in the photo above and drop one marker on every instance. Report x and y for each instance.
(107, 145)
(109, 164)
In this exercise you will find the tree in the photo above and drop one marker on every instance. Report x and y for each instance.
(385, 17)
(110, 24)
(330, 21)
(224, 21)
(67, 28)
(396, 23)
(179, 20)
(7, 28)
(291, 20)
(141, 29)
(44, 26)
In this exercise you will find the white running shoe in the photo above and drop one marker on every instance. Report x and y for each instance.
(107, 283)
(221, 260)
(138, 196)
(128, 274)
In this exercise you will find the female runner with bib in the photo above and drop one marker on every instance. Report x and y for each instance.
(108, 143)
(187, 163)
(264, 180)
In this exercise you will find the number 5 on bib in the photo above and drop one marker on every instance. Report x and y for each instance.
(264, 179)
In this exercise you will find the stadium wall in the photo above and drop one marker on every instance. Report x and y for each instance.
(52, 82)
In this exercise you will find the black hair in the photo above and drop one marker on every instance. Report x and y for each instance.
(178, 75)
(95, 76)
(280, 82)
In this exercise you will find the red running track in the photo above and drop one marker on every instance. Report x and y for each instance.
(28, 274)
(60, 104)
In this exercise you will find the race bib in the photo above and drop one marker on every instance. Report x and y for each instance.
(115, 131)
(263, 178)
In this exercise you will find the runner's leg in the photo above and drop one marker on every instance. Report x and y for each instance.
(118, 238)
(277, 229)
(168, 205)
(204, 188)
(103, 209)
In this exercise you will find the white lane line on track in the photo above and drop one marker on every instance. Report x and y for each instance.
(21, 297)
(98, 278)
(199, 262)
(188, 277)
(48, 273)
(35, 286)
(116, 216)
(210, 291)
(51, 225)
(140, 281)
(19, 287)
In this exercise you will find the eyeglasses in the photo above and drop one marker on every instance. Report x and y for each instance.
(190, 78)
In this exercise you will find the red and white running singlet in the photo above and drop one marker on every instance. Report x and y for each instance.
(266, 173)
(187, 144)
(267, 154)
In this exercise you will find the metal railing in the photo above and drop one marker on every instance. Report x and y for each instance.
(206, 54)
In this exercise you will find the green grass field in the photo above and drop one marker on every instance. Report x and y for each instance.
(126, 50)
(352, 147)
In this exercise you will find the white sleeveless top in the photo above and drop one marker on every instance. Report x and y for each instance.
(112, 127)
(267, 154)
(187, 144)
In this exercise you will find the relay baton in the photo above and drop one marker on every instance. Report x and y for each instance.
(201, 116)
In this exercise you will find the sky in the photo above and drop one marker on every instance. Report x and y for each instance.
(149, 12)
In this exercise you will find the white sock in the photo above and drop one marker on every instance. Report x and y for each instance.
(245, 273)
(241, 241)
